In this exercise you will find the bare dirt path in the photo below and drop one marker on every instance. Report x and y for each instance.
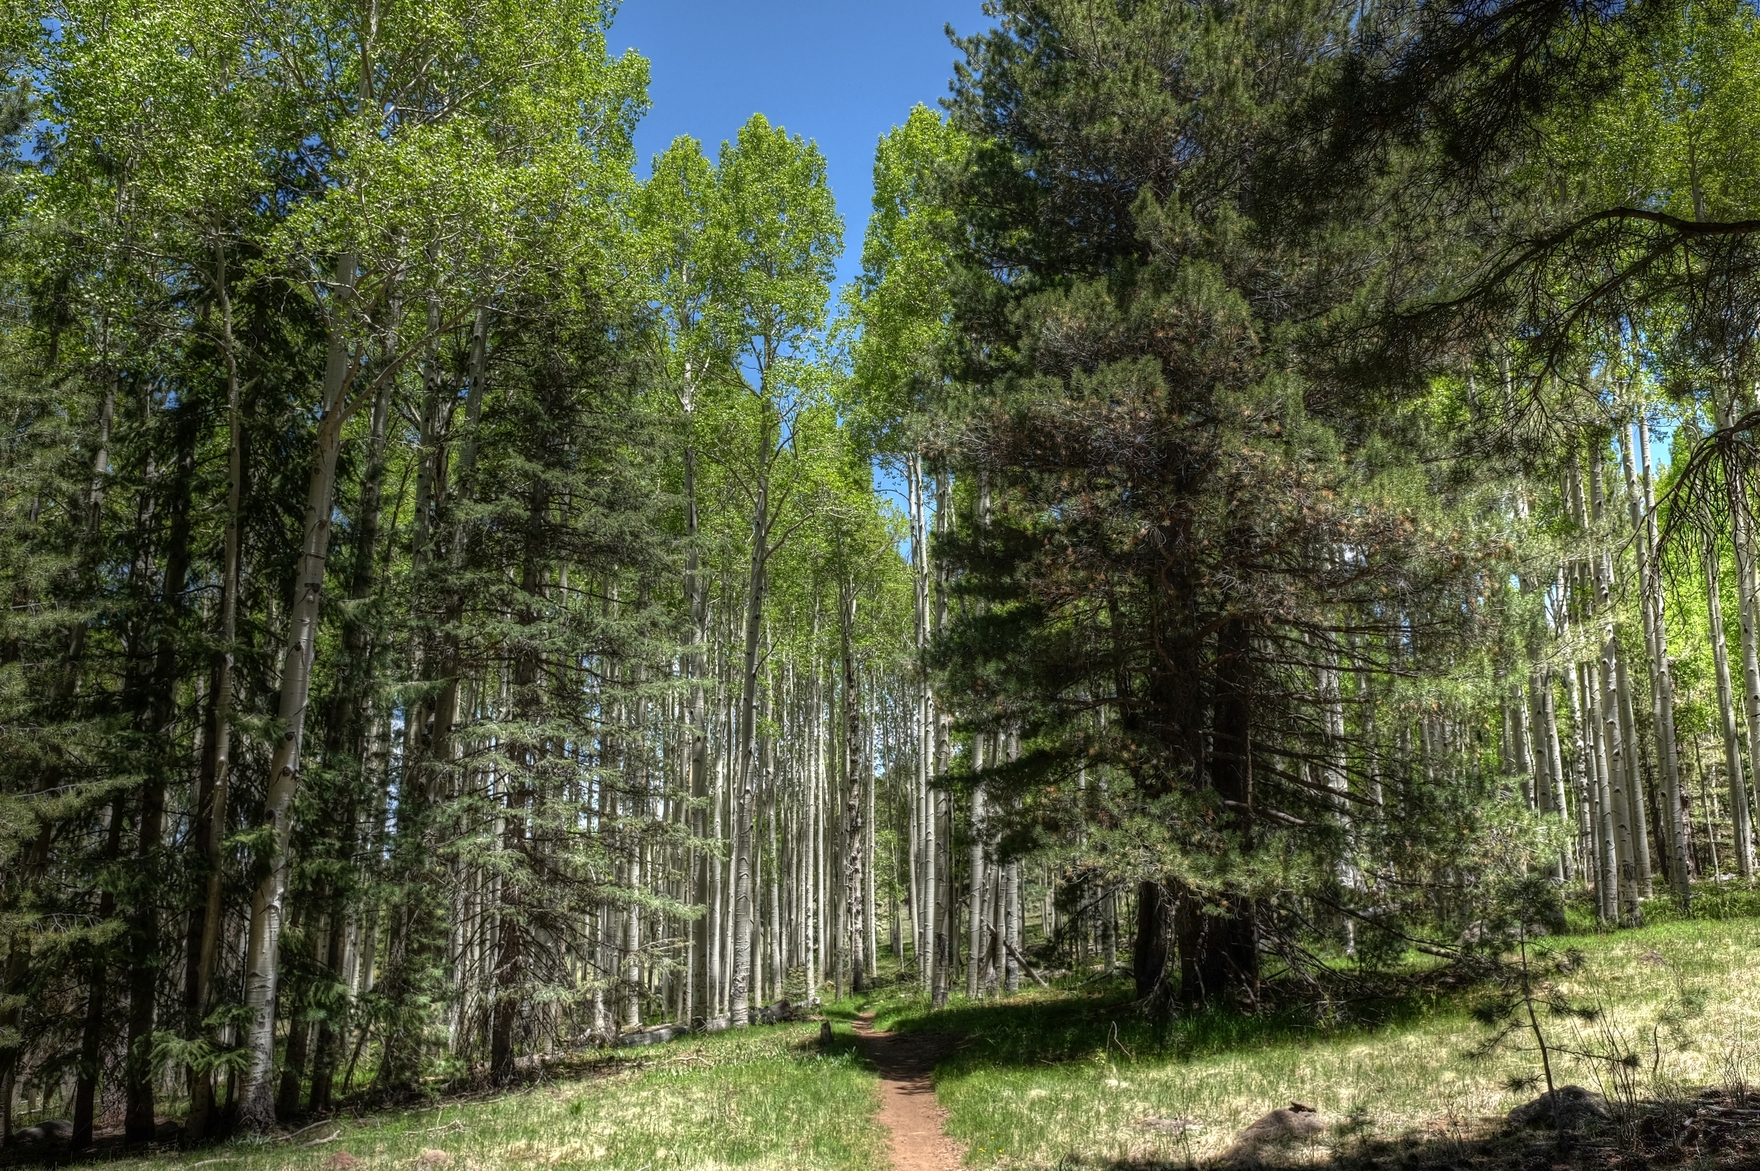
(908, 1109)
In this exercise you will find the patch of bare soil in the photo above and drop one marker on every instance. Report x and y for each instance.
(908, 1108)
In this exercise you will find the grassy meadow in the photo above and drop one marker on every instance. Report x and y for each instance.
(764, 1099)
(1063, 1079)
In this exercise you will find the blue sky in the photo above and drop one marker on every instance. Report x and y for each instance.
(835, 71)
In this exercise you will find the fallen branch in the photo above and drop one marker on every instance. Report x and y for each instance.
(321, 1141)
(291, 1135)
(1022, 960)
(455, 1125)
(210, 1162)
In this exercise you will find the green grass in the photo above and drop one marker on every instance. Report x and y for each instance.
(761, 1099)
(1060, 1079)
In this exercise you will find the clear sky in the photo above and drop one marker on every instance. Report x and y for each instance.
(839, 72)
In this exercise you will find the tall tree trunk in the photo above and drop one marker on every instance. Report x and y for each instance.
(975, 865)
(938, 881)
(1219, 953)
(157, 726)
(739, 993)
(1726, 706)
(1643, 521)
(262, 959)
(1617, 746)
(696, 594)
(1740, 537)
(93, 1035)
(214, 772)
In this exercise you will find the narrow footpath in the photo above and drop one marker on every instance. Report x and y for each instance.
(908, 1108)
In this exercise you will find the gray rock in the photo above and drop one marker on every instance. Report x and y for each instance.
(1577, 1108)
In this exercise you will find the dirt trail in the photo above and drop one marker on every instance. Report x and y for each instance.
(908, 1109)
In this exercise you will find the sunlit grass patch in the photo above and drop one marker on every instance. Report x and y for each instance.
(761, 1099)
(1065, 1079)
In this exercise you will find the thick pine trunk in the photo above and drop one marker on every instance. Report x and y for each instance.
(1219, 953)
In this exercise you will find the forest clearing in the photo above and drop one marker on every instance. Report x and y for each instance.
(1215, 619)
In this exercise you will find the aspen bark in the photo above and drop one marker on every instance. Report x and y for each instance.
(746, 766)
(1745, 603)
(854, 765)
(1732, 751)
(1643, 515)
(1615, 722)
(262, 968)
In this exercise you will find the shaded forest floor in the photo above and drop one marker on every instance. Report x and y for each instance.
(1072, 1077)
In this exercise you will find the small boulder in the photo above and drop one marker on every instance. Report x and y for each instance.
(1577, 1108)
(432, 1158)
(341, 1161)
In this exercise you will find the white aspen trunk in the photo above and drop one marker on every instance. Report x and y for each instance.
(940, 844)
(921, 924)
(1732, 751)
(815, 831)
(262, 957)
(1745, 601)
(697, 753)
(1661, 675)
(1606, 866)
(869, 860)
(1639, 810)
(1011, 927)
(746, 763)
(1333, 776)
(1616, 748)
(1546, 731)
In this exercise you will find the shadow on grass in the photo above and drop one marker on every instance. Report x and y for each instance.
(1062, 1025)
(1716, 1127)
